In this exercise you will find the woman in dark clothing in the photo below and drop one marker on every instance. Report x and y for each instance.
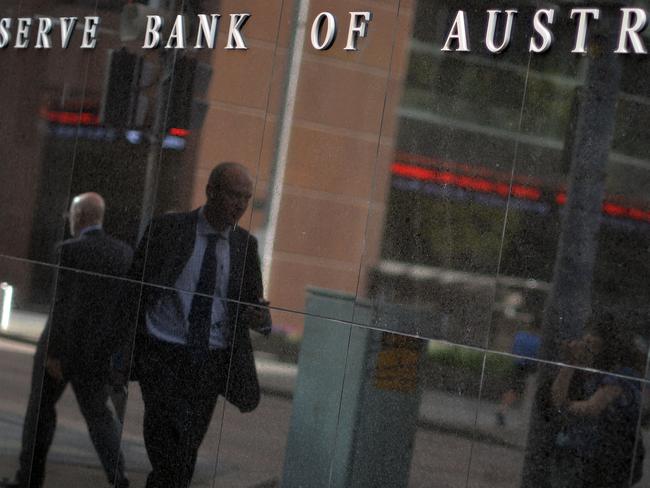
(597, 446)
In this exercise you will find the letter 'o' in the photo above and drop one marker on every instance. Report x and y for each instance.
(323, 17)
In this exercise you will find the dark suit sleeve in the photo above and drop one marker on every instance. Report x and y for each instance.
(253, 289)
(139, 257)
(63, 306)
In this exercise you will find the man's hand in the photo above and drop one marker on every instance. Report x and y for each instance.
(53, 368)
(258, 317)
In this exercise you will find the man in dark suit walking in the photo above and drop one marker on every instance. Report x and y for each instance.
(202, 293)
(75, 348)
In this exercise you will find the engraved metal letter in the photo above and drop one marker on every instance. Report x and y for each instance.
(207, 30)
(152, 34)
(458, 32)
(67, 28)
(583, 19)
(5, 33)
(43, 35)
(543, 31)
(358, 28)
(329, 36)
(493, 16)
(89, 40)
(22, 32)
(632, 31)
(177, 35)
(235, 39)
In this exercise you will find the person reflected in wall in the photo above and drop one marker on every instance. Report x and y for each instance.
(193, 342)
(526, 348)
(597, 445)
(75, 347)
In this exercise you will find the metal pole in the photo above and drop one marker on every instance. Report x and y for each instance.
(284, 138)
(156, 136)
(569, 303)
(156, 133)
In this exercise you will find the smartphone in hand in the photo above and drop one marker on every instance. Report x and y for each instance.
(258, 317)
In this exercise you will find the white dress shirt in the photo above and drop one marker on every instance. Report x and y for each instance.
(167, 320)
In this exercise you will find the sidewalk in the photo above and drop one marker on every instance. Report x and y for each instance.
(80, 473)
(73, 462)
(60, 474)
(25, 325)
(438, 410)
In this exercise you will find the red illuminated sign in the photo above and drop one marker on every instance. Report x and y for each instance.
(516, 190)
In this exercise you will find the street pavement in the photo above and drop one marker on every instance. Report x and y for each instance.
(453, 444)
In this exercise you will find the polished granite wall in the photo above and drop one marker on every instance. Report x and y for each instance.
(435, 210)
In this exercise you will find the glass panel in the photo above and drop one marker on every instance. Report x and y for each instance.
(575, 248)
(408, 412)
(290, 436)
(643, 436)
(316, 180)
(172, 426)
(446, 239)
(94, 364)
(79, 348)
(21, 324)
(507, 392)
(589, 434)
(434, 239)
(44, 115)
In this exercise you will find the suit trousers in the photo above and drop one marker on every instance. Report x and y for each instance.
(180, 391)
(40, 423)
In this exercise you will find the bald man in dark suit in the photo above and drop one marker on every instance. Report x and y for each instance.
(75, 347)
(202, 294)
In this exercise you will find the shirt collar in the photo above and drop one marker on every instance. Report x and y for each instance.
(90, 228)
(204, 228)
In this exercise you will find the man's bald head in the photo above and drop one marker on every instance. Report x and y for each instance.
(221, 173)
(86, 209)
(229, 189)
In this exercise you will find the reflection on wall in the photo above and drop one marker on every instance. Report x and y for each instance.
(422, 209)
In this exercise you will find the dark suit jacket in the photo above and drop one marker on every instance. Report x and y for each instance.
(159, 260)
(86, 286)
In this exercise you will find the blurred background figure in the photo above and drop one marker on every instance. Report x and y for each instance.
(75, 346)
(599, 413)
(526, 347)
